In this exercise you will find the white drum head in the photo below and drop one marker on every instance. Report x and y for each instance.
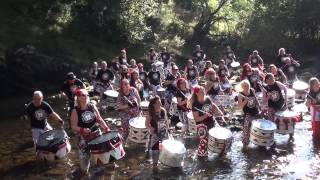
(138, 122)
(235, 64)
(220, 133)
(159, 63)
(291, 92)
(300, 108)
(300, 85)
(264, 124)
(161, 89)
(111, 93)
(174, 146)
(286, 113)
(174, 100)
(144, 104)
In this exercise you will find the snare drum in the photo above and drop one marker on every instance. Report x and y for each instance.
(262, 132)
(220, 140)
(161, 92)
(111, 97)
(173, 111)
(301, 89)
(53, 144)
(144, 107)
(285, 121)
(172, 153)
(192, 126)
(106, 146)
(138, 132)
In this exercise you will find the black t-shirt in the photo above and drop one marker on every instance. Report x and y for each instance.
(251, 107)
(279, 76)
(254, 80)
(69, 89)
(153, 57)
(191, 73)
(280, 58)
(290, 71)
(198, 55)
(223, 71)
(105, 76)
(171, 77)
(276, 100)
(183, 95)
(165, 56)
(204, 107)
(154, 78)
(215, 89)
(39, 115)
(123, 60)
(159, 123)
(87, 117)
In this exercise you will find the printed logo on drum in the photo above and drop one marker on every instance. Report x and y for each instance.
(88, 116)
(274, 96)
(105, 76)
(40, 114)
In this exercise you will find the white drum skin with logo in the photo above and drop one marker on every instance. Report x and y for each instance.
(262, 132)
(285, 121)
(144, 107)
(50, 147)
(111, 98)
(106, 146)
(138, 132)
(172, 153)
(220, 140)
(300, 88)
(192, 126)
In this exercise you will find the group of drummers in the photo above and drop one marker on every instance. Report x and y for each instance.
(194, 99)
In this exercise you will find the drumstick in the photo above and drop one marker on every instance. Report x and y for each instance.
(199, 110)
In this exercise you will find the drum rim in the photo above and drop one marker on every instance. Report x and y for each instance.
(113, 132)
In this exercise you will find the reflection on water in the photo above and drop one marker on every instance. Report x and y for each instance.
(296, 159)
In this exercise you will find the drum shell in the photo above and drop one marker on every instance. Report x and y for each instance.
(291, 94)
(138, 134)
(58, 152)
(144, 107)
(285, 124)
(260, 136)
(110, 97)
(173, 111)
(219, 145)
(161, 93)
(171, 159)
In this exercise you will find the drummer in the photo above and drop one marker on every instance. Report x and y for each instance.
(153, 56)
(203, 110)
(171, 84)
(208, 65)
(128, 104)
(136, 82)
(104, 78)
(182, 95)
(154, 78)
(273, 95)
(229, 56)
(282, 55)
(157, 124)
(143, 76)
(84, 120)
(93, 72)
(68, 88)
(254, 75)
(191, 73)
(212, 85)
(290, 69)
(313, 99)
(255, 60)
(248, 102)
(198, 54)
(38, 112)
(133, 65)
(123, 57)
(123, 71)
(222, 70)
(278, 74)
(165, 57)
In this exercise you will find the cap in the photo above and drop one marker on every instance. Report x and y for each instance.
(70, 76)
(81, 92)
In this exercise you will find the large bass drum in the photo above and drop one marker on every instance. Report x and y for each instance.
(53, 144)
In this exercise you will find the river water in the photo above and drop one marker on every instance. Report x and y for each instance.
(297, 159)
